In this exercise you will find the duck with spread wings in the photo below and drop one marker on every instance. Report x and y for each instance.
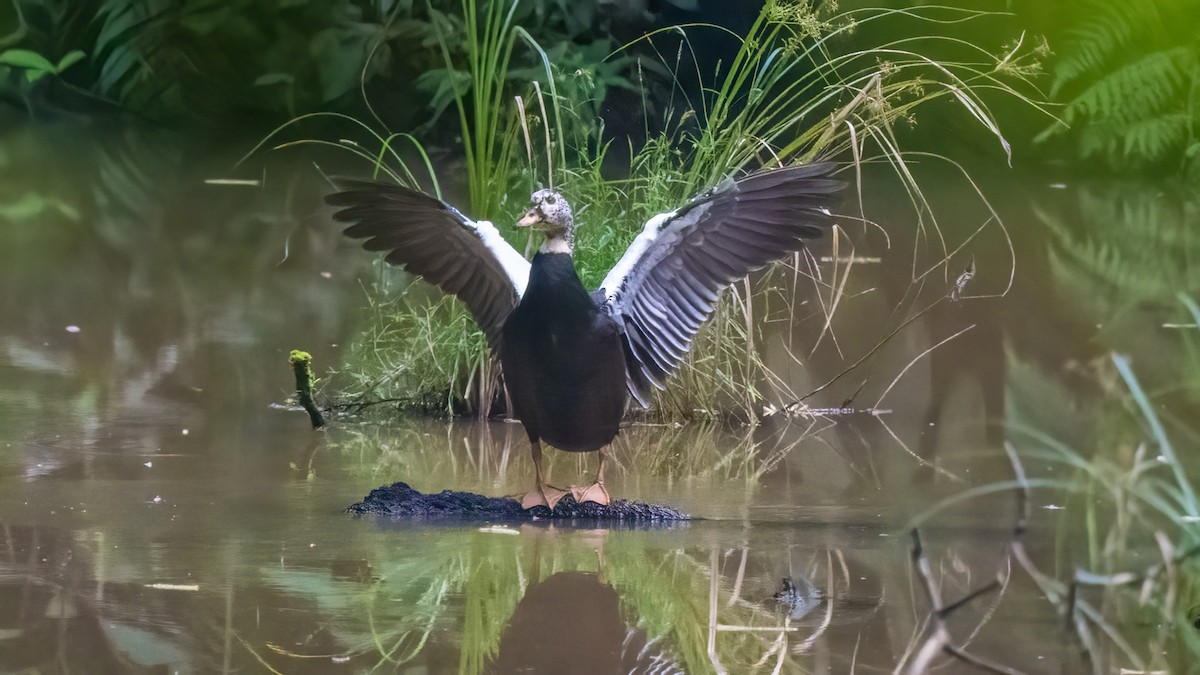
(571, 358)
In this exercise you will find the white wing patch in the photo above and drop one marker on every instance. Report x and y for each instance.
(515, 265)
(614, 281)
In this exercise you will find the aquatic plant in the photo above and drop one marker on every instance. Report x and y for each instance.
(1126, 269)
(1125, 567)
(423, 354)
(476, 77)
(1101, 441)
(1141, 525)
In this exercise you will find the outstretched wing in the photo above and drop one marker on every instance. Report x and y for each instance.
(669, 279)
(431, 238)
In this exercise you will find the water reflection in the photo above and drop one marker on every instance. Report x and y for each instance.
(158, 514)
(1120, 262)
(51, 618)
(452, 599)
(571, 622)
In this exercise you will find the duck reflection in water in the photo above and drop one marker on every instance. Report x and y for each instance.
(548, 634)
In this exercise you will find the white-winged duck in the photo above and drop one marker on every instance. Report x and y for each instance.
(571, 358)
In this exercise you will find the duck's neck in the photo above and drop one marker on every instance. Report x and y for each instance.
(562, 243)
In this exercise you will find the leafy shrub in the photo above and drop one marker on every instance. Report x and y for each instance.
(212, 60)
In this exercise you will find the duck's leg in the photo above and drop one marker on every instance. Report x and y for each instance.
(541, 494)
(596, 492)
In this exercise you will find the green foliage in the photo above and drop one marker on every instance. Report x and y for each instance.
(427, 355)
(576, 52)
(31, 206)
(1121, 253)
(788, 96)
(24, 69)
(1133, 251)
(37, 66)
(475, 76)
(204, 62)
(1122, 259)
(793, 93)
(481, 97)
(1129, 74)
(171, 60)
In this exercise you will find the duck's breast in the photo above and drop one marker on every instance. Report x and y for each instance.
(563, 360)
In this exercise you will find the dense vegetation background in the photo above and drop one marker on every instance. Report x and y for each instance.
(1124, 72)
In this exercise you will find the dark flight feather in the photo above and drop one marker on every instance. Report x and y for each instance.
(432, 239)
(662, 291)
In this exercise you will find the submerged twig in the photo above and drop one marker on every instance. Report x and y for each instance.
(914, 360)
(940, 640)
(874, 349)
(1077, 612)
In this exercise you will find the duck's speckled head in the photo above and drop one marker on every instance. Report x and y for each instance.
(552, 214)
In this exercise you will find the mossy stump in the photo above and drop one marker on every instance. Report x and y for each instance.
(302, 368)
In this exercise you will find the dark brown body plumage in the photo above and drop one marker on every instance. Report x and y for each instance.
(563, 360)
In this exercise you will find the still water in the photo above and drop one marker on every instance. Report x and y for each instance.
(160, 514)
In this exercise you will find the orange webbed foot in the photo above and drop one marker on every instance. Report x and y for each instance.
(596, 492)
(542, 495)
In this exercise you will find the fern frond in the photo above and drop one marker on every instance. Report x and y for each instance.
(1156, 82)
(1133, 70)
(1129, 241)
(1111, 30)
(1157, 138)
